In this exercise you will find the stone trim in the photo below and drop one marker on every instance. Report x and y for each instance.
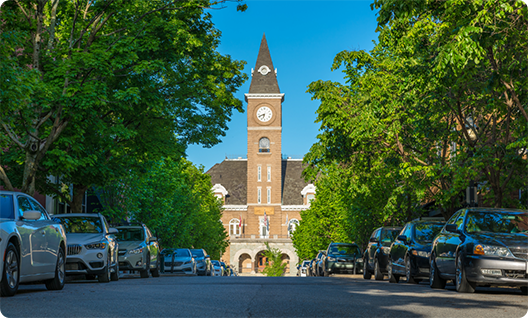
(264, 96)
(235, 207)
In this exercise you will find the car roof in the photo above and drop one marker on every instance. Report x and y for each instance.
(496, 210)
(78, 214)
(353, 243)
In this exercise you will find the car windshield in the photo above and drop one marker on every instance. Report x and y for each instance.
(424, 233)
(345, 250)
(215, 263)
(82, 224)
(389, 235)
(197, 253)
(497, 222)
(130, 234)
(305, 263)
(180, 252)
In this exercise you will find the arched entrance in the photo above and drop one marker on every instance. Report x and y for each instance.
(286, 259)
(260, 262)
(244, 264)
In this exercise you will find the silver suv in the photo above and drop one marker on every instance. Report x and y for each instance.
(92, 247)
(138, 250)
(27, 230)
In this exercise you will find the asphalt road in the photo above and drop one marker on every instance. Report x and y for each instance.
(176, 296)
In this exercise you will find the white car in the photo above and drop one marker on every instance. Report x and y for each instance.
(92, 246)
(218, 270)
(304, 268)
(178, 261)
(32, 244)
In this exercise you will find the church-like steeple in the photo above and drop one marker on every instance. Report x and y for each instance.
(264, 77)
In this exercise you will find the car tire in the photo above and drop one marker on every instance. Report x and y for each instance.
(11, 272)
(378, 275)
(156, 272)
(393, 278)
(366, 273)
(326, 273)
(524, 290)
(57, 282)
(461, 283)
(105, 277)
(435, 281)
(408, 275)
(144, 273)
(115, 275)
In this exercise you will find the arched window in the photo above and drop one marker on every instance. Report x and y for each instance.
(264, 145)
(234, 227)
(292, 225)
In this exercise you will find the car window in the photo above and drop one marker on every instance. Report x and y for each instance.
(388, 236)
(453, 218)
(497, 222)
(374, 234)
(345, 250)
(24, 205)
(424, 233)
(82, 224)
(378, 234)
(198, 253)
(38, 207)
(407, 231)
(130, 234)
(7, 209)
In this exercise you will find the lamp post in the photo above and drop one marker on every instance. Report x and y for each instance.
(471, 190)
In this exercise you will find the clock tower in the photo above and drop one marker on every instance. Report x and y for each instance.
(264, 129)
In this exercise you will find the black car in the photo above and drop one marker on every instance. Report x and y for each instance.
(317, 267)
(376, 257)
(409, 254)
(203, 262)
(342, 258)
(482, 246)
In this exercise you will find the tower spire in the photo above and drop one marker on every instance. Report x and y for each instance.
(264, 77)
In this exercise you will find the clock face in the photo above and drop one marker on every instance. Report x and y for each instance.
(264, 114)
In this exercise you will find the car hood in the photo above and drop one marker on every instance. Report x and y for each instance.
(128, 245)
(502, 239)
(84, 238)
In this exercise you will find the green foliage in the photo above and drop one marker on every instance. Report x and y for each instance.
(274, 266)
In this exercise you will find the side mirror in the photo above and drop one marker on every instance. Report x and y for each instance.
(31, 215)
(451, 228)
(207, 256)
(373, 240)
(153, 239)
(112, 230)
(402, 238)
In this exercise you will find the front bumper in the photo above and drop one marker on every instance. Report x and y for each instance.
(81, 260)
(131, 262)
(514, 272)
(178, 267)
(341, 267)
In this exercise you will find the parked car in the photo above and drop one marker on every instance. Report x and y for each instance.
(376, 257)
(310, 269)
(409, 253)
(217, 268)
(138, 249)
(178, 261)
(224, 268)
(342, 258)
(317, 265)
(304, 268)
(92, 246)
(203, 262)
(32, 244)
(482, 246)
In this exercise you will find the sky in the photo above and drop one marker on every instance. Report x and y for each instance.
(303, 38)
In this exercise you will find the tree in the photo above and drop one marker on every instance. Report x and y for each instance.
(103, 73)
(274, 265)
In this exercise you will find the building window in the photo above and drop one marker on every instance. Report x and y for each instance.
(309, 198)
(259, 173)
(292, 225)
(264, 226)
(269, 173)
(269, 195)
(258, 195)
(264, 145)
(234, 227)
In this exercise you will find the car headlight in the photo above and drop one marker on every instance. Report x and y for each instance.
(490, 250)
(136, 251)
(386, 249)
(96, 246)
(421, 253)
(332, 259)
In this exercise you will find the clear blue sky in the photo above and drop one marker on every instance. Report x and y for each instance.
(303, 38)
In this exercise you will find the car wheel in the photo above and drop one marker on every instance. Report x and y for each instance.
(57, 283)
(524, 290)
(366, 273)
(115, 275)
(326, 273)
(461, 283)
(11, 272)
(435, 281)
(156, 272)
(408, 275)
(378, 275)
(144, 273)
(105, 277)
(393, 278)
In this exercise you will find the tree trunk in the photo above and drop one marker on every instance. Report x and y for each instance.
(78, 194)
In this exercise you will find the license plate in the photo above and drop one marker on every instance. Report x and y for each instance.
(73, 266)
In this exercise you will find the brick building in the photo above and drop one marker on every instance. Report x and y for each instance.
(264, 193)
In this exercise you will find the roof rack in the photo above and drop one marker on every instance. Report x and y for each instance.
(430, 218)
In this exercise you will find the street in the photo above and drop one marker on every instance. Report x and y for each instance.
(243, 296)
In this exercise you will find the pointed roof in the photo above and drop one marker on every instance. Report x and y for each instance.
(264, 78)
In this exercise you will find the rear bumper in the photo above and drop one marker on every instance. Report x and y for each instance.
(513, 272)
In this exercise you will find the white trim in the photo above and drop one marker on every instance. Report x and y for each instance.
(310, 188)
(295, 207)
(292, 159)
(238, 159)
(273, 204)
(218, 188)
(235, 207)
(264, 96)
(265, 128)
